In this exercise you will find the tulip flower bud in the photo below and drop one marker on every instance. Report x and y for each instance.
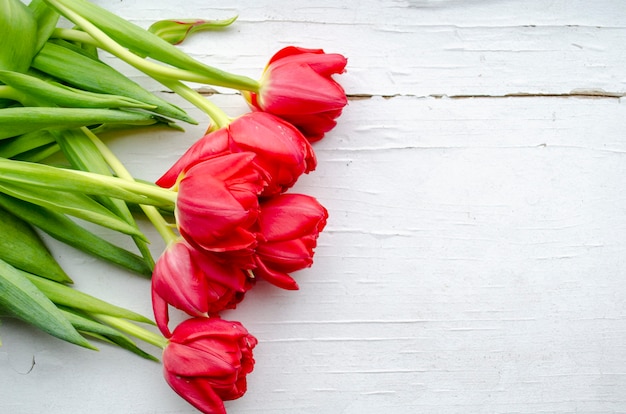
(217, 203)
(207, 360)
(289, 225)
(281, 150)
(297, 86)
(19, 36)
(195, 282)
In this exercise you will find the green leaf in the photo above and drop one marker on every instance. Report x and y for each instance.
(112, 128)
(84, 155)
(21, 299)
(67, 296)
(32, 175)
(47, 93)
(62, 228)
(75, 204)
(20, 120)
(38, 154)
(11, 147)
(127, 34)
(46, 18)
(73, 67)
(105, 333)
(21, 247)
(175, 31)
(19, 36)
(145, 44)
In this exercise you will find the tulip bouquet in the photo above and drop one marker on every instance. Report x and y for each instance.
(224, 208)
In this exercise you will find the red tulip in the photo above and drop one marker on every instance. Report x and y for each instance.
(217, 203)
(297, 85)
(194, 282)
(206, 362)
(289, 225)
(281, 150)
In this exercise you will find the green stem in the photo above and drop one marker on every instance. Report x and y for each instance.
(215, 113)
(134, 330)
(157, 220)
(96, 37)
(149, 190)
(64, 179)
(8, 92)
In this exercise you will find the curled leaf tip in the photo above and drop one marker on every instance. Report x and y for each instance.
(175, 31)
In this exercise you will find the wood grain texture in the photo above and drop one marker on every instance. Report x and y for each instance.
(475, 253)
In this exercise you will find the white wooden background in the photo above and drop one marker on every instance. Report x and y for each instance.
(475, 257)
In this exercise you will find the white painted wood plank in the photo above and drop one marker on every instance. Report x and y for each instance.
(425, 48)
(473, 262)
(474, 257)
(387, 12)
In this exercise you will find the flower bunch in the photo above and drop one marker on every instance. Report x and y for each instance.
(224, 208)
(235, 217)
(237, 223)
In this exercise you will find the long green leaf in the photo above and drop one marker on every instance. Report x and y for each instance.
(103, 332)
(47, 93)
(84, 155)
(175, 31)
(75, 204)
(19, 36)
(74, 68)
(129, 35)
(15, 121)
(21, 299)
(46, 18)
(21, 247)
(12, 147)
(62, 228)
(143, 43)
(38, 154)
(31, 175)
(67, 296)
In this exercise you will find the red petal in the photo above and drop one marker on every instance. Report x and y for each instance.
(196, 328)
(291, 51)
(186, 361)
(202, 396)
(280, 279)
(206, 147)
(161, 314)
(298, 89)
(326, 64)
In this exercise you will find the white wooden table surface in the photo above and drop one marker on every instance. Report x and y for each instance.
(475, 256)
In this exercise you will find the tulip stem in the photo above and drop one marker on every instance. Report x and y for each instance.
(148, 190)
(8, 92)
(169, 77)
(134, 330)
(41, 175)
(96, 37)
(157, 220)
(213, 111)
